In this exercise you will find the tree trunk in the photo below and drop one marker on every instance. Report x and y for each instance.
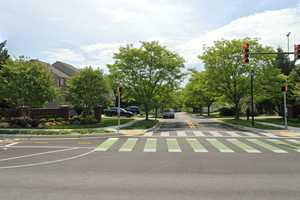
(156, 113)
(208, 110)
(237, 111)
(147, 112)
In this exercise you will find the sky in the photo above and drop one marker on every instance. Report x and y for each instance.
(87, 33)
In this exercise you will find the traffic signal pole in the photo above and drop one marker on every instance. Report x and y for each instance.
(252, 99)
(119, 110)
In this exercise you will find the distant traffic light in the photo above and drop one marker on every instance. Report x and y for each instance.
(297, 51)
(246, 52)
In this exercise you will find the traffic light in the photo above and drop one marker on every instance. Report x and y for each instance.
(284, 88)
(297, 51)
(246, 52)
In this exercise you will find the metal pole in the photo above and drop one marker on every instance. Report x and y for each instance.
(285, 110)
(284, 93)
(119, 110)
(252, 100)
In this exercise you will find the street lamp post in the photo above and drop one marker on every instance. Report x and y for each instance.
(284, 93)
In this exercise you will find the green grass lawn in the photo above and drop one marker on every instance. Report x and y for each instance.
(143, 124)
(105, 122)
(246, 123)
(291, 122)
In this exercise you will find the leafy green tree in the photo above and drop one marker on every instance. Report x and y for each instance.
(26, 83)
(3, 54)
(283, 62)
(145, 70)
(229, 76)
(88, 89)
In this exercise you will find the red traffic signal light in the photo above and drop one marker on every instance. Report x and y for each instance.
(246, 52)
(297, 51)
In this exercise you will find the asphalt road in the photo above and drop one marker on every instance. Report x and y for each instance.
(121, 168)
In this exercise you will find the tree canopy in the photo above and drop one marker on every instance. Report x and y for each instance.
(144, 71)
(26, 83)
(3, 54)
(88, 89)
(230, 77)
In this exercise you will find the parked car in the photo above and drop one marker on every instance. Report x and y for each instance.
(114, 112)
(169, 114)
(133, 109)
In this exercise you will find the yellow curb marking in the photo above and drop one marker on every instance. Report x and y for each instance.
(40, 142)
(285, 134)
(84, 143)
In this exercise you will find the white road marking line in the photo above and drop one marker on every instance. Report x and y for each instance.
(165, 134)
(148, 134)
(215, 134)
(181, 134)
(12, 144)
(48, 162)
(36, 154)
(233, 134)
(198, 133)
(46, 147)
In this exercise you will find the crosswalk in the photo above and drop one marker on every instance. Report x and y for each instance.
(200, 145)
(209, 134)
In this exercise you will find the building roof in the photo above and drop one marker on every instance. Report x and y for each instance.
(65, 68)
(53, 70)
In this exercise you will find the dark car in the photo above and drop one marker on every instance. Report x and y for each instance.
(169, 114)
(133, 109)
(114, 112)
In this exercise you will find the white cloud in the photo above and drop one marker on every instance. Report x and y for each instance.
(65, 55)
(144, 20)
(270, 27)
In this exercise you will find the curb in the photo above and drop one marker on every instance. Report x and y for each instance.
(111, 131)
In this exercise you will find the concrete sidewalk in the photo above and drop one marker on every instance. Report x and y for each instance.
(290, 128)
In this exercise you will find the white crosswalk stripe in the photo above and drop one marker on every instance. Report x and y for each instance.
(181, 134)
(243, 146)
(148, 134)
(233, 134)
(165, 134)
(220, 146)
(215, 133)
(196, 145)
(198, 133)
